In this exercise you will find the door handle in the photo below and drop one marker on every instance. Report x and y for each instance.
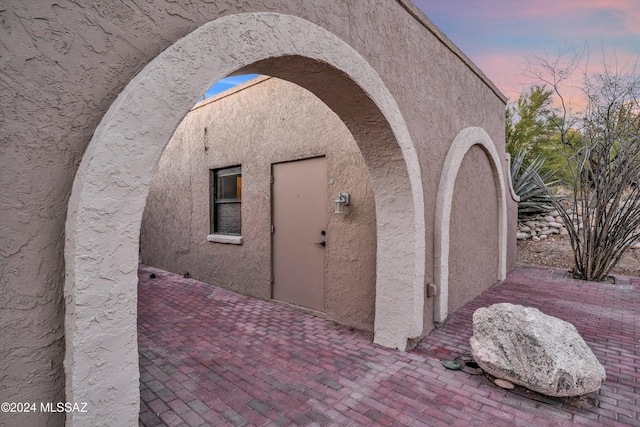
(323, 243)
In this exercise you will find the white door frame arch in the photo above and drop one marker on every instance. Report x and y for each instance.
(111, 185)
(465, 139)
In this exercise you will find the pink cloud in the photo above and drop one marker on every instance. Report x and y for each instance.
(513, 73)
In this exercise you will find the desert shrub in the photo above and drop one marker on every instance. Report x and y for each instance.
(604, 166)
(532, 185)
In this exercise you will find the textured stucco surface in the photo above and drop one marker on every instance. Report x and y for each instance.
(474, 230)
(257, 124)
(64, 63)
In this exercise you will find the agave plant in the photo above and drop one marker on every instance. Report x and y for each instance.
(529, 183)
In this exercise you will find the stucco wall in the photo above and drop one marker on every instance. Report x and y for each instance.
(473, 250)
(63, 65)
(257, 124)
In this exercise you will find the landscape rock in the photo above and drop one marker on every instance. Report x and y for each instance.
(555, 224)
(522, 236)
(508, 385)
(548, 231)
(549, 218)
(526, 347)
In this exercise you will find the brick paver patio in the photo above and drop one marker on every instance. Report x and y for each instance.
(212, 357)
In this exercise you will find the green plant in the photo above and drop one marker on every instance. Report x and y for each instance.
(531, 126)
(531, 184)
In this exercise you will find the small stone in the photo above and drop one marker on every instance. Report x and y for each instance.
(549, 218)
(559, 219)
(554, 213)
(545, 228)
(533, 233)
(535, 238)
(555, 224)
(453, 364)
(542, 236)
(636, 245)
(522, 236)
(525, 229)
(564, 232)
(504, 384)
(530, 224)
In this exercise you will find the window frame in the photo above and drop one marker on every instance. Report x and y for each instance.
(214, 201)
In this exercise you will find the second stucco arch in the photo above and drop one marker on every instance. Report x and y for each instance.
(465, 139)
(110, 189)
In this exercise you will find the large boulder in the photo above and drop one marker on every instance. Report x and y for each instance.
(540, 352)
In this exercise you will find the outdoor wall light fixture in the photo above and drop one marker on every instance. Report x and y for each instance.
(341, 202)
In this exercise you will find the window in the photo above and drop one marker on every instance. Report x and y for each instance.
(226, 198)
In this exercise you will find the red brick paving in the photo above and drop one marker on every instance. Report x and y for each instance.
(212, 357)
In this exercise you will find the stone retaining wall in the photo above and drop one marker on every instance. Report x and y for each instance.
(549, 224)
(542, 226)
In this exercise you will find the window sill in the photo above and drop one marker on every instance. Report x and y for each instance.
(224, 238)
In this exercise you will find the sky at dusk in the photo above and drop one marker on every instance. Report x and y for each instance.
(502, 36)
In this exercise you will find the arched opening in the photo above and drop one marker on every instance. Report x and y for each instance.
(464, 141)
(273, 234)
(110, 189)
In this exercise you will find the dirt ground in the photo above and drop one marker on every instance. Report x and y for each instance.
(556, 252)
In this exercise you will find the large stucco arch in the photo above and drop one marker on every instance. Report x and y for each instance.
(465, 139)
(110, 189)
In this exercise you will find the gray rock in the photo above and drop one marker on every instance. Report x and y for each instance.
(525, 229)
(540, 352)
(543, 236)
(549, 218)
(555, 224)
(522, 236)
(535, 238)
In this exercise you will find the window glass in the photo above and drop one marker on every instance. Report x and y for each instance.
(229, 187)
(228, 218)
